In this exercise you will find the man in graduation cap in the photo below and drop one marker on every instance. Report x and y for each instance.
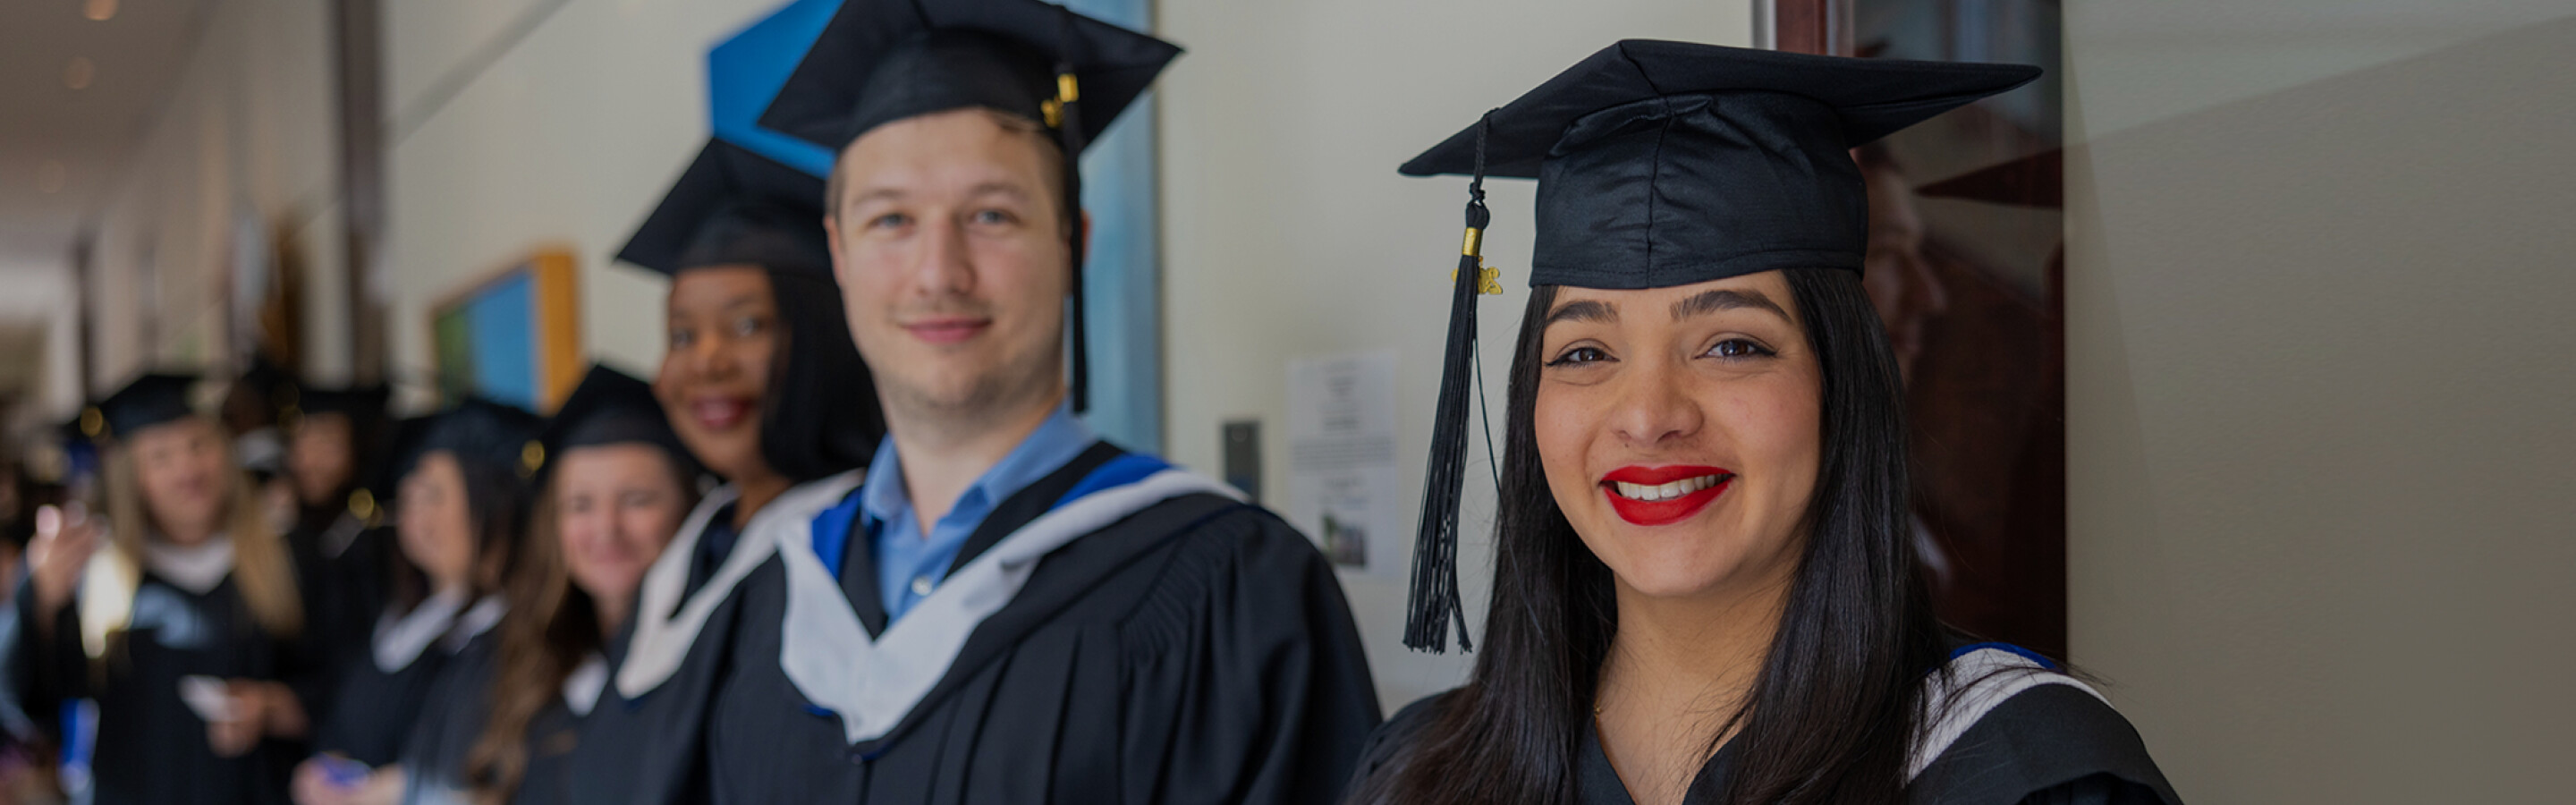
(1010, 609)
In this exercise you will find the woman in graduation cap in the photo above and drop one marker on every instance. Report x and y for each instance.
(763, 388)
(1703, 590)
(459, 505)
(177, 615)
(613, 485)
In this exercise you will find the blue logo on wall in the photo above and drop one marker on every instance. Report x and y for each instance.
(745, 72)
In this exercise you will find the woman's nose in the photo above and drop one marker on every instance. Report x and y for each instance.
(1654, 405)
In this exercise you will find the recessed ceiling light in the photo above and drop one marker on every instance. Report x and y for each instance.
(100, 10)
(79, 73)
(51, 176)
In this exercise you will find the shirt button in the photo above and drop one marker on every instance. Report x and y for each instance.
(921, 586)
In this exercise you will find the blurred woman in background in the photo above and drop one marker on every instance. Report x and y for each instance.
(459, 509)
(177, 616)
(614, 485)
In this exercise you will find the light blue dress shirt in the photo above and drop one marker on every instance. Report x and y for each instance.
(911, 562)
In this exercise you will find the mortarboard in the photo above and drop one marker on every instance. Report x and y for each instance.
(152, 399)
(610, 407)
(735, 207)
(476, 431)
(1664, 164)
(879, 61)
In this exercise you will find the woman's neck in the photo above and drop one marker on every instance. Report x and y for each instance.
(1678, 670)
(611, 614)
(752, 493)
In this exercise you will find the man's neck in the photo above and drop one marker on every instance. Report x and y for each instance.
(942, 455)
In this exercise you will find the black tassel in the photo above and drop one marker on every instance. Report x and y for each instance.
(1069, 132)
(1434, 600)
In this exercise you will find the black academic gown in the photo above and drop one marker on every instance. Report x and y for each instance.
(340, 566)
(434, 756)
(1198, 651)
(648, 749)
(2048, 745)
(150, 747)
(373, 708)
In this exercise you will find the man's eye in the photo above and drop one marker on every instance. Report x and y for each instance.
(995, 217)
(892, 220)
(1579, 356)
(1739, 348)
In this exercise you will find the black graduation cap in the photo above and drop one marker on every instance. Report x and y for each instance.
(1664, 164)
(733, 207)
(151, 399)
(611, 407)
(477, 431)
(879, 61)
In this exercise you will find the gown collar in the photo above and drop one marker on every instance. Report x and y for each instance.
(195, 568)
(872, 683)
(665, 626)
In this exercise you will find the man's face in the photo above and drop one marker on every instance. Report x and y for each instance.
(949, 243)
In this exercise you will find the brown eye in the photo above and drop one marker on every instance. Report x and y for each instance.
(1738, 348)
(1579, 356)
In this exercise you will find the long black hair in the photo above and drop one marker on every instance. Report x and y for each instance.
(820, 415)
(1834, 709)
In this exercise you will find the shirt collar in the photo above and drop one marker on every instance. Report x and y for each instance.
(1057, 440)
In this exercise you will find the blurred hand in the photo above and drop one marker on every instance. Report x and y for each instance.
(313, 783)
(259, 709)
(384, 786)
(65, 538)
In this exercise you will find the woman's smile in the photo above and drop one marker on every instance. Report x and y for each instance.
(1652, 496)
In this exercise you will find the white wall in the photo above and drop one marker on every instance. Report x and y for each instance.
(1287, 232)
(2318, 332)
(567, 140)
(247, 132)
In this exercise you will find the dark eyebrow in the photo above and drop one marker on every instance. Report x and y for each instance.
(1591, 311)
(1713, 301)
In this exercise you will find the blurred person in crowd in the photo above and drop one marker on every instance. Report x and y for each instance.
(177, 616)
(1704, 588)
(460, 503)
(332, 435)
(761, 385)
(613, 488)
(1010, 608)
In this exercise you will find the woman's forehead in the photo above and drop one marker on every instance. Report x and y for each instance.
(1768, 290)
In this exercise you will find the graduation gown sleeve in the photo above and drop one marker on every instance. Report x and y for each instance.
(1249, 683)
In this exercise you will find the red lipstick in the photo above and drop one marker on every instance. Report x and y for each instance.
(1662, 495)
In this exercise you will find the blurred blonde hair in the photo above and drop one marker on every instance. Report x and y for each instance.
(262, 568)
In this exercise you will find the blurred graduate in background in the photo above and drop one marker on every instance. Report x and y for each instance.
(177, 617)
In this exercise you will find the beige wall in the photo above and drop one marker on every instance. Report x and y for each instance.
(2319, 420)
(246, 135)
(567, 139)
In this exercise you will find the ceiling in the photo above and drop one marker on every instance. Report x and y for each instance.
(61, 147)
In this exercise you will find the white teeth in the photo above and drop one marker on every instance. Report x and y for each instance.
(1664, 491)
